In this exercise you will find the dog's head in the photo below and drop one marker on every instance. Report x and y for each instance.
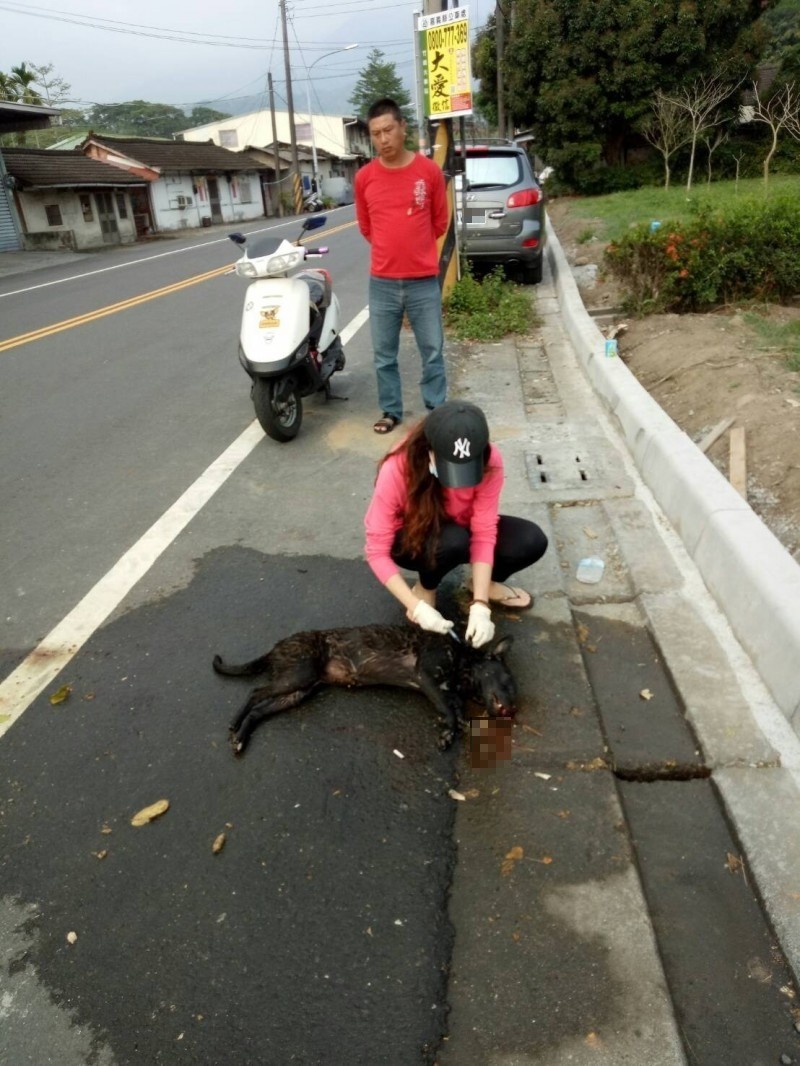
(493, 684)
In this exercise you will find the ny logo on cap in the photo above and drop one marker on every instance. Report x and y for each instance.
(461, 448)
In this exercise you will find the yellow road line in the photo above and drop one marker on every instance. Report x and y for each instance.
(101, 312)
(134, 301)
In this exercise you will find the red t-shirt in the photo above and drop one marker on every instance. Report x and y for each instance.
(402, 211)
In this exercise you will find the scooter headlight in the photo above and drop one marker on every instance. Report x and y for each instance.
(245, 269)
(279, 264)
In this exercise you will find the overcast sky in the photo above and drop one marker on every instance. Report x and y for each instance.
(81, 39)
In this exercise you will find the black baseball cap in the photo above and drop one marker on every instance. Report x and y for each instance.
(458, 433)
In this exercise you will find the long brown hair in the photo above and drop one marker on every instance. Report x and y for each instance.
(425, 512)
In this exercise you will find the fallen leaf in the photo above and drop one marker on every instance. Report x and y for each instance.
(61, 694)
(512, 857)
(733, 863)
(582, 632)
(219, 843)
(451, 792)
(545, 860)
(472, 793)
(100, 854)
(593, 1040)
(563, 814)
(147, 814)
(590, 533)
(106, 829)
(516, 937)
(72, 937)
(88, 696)
(646, 694)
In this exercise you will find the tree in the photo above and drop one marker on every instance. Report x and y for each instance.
(55, 89)
(25, 78)
(378, 79)
(702, 102)
(666, 129)
(582, 74)
(201, 116)
(138, 118)
(780, 111)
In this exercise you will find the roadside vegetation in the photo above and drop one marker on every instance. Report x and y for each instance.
(487, 308)
(725, 242)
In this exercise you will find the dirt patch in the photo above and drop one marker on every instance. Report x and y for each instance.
(702, 370)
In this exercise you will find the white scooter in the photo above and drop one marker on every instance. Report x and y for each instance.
(289, 342)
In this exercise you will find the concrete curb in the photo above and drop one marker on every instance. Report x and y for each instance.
(745, 567)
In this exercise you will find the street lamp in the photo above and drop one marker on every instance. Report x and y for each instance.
(347, 48)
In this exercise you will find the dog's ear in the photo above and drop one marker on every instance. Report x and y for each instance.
(501, 647)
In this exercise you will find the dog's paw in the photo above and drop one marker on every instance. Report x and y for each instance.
(446, 738)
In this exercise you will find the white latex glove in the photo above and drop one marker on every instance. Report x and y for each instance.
(428, 618)
(480, 627)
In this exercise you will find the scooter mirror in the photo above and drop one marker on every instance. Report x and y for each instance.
(314, 222)
(238, 238)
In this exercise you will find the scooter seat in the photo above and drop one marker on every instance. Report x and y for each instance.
(319, 286)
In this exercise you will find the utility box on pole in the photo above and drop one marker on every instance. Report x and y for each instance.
(444, 55)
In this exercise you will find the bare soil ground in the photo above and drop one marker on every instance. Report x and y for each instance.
(703, 369)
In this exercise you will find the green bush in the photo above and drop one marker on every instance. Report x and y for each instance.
(488, 309)
(746, 250)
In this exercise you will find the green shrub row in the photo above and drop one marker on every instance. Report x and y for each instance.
(744, 251)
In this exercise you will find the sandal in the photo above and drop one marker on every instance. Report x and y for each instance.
(386, 423)
(512, 601)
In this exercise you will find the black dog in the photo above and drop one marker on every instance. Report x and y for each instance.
(446, 670)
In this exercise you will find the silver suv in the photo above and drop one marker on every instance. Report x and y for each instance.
(500, 208)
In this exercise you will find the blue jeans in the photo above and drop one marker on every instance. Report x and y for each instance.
(421, 300)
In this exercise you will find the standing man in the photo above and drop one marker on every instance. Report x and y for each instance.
(401, 207)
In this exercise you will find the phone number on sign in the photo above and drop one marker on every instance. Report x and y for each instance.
(448, 36)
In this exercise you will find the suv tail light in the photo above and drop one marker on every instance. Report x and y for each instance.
(526, 198)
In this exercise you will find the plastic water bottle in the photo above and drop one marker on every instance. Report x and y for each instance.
(590, 570)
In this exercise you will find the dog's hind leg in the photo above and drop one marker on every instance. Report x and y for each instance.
(263, 704)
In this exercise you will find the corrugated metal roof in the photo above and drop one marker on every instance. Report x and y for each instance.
(44, 167)
(177, 155)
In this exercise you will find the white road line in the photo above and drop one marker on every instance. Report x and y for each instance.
(62, 643)
(144, 259)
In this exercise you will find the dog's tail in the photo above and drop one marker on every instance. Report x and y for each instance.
(255, 666)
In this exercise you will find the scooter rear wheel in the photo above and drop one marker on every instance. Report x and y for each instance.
(280, 418)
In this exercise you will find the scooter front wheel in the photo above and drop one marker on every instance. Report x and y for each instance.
(280, 411)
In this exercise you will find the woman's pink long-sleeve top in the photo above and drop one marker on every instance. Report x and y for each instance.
(476, 509)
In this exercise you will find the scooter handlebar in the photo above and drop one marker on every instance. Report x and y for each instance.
(314, 253)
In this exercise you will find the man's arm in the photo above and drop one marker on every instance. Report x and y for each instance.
(439, 212)
(362, 211)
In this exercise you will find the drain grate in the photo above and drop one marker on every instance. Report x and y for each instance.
(570, 470)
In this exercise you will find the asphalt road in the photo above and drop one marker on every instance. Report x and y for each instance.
(322, 923)
(586, 907)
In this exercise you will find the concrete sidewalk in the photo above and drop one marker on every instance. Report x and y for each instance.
(571, 432)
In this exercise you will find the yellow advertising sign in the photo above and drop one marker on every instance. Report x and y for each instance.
(446, 68)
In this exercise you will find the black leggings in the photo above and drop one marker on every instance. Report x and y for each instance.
(519, 544)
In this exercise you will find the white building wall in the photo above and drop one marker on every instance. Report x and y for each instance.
(255, 129)
(74, 230)
(181, 201)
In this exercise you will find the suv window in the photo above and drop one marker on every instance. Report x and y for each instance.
(497, 170)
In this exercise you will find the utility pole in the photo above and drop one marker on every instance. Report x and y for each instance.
(500, 44)
(296, 182)
(279, 201)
